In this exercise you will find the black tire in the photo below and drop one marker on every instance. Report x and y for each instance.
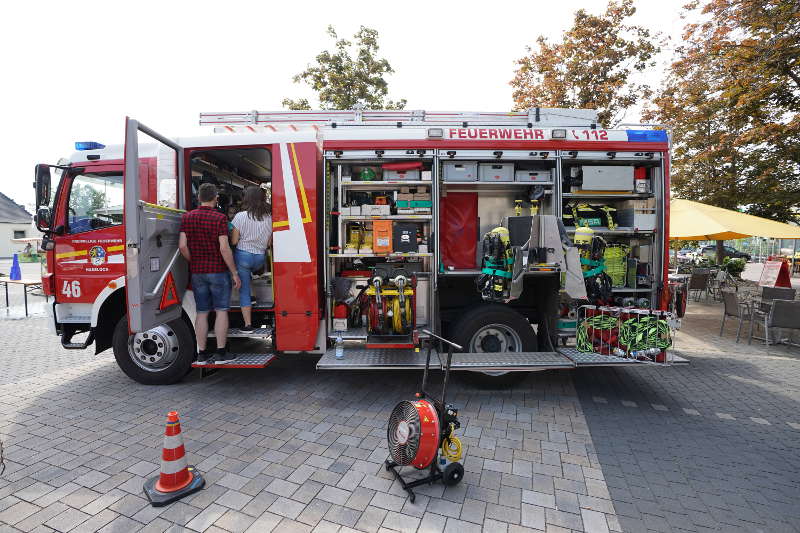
(473, 321)
(179, 361)
(453, 474)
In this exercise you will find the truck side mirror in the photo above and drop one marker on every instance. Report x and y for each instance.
(42, 184)
(42, 218)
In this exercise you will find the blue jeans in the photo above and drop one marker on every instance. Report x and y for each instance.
(212, 291)
(245, 264)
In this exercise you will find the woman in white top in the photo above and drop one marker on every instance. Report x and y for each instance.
(252, 232)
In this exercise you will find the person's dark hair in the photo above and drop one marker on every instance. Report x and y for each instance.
(255, 203)
(206, 192)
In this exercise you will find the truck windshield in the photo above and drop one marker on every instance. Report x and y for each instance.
(95, 201)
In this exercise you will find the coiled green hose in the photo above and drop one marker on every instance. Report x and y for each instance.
(643, 333)
(639, 333)
(601, 322)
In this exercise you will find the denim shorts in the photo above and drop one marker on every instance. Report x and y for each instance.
(212, 291)
(245, 264)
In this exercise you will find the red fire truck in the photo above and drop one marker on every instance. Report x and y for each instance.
(387, 225)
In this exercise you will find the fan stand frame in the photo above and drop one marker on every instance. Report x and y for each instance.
(434, 472)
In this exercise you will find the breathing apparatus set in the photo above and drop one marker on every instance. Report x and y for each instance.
(592, 249)
(494, 283)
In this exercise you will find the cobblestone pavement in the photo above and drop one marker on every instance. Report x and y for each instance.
(713, 446)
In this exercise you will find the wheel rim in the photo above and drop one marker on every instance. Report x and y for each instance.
(495, 338)
(154, 350)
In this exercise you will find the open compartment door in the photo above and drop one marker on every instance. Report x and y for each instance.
(157, 275)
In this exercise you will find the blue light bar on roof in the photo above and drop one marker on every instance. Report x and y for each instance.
(647, 136)
(88, 145)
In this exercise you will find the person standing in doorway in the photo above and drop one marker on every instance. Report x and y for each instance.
(252, 232)
(204, 244)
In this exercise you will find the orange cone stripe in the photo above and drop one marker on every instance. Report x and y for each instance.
(173, 429)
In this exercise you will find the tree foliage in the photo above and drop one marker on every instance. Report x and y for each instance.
(732, 99)
(591, 67)
(352, 74)
(86, 200)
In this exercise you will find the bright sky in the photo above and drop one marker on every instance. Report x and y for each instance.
(72, 71)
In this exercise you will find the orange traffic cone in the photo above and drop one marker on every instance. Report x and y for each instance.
(177, 479)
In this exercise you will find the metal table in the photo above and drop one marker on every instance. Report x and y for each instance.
(27, 284)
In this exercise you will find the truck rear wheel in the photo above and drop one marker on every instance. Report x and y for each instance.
(160, 356)
(494, 328)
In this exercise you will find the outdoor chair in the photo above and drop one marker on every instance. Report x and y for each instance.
(783, 314)
(721, 281)
(768, 294)
(736, 309)
(698, 282)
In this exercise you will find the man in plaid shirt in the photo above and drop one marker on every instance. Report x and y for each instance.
(204, 244)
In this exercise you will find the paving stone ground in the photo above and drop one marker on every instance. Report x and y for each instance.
(709, 447)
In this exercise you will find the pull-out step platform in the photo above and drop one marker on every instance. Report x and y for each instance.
(376, 359)
(509, 361)
(255, 333)
(242, 360)
(359, 358)
(595, 359)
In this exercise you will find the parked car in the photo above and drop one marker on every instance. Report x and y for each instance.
(686, 254)
(710, 251)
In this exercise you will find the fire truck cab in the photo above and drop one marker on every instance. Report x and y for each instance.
(386, 225)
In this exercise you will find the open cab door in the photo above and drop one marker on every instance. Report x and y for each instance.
(157, 274)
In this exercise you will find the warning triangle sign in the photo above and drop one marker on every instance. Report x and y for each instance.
(170, 295)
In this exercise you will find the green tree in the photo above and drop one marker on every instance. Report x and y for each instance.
(732, 100)
(591, 67)
(86, 200)
(352, 74)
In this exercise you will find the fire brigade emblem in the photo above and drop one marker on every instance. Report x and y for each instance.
(97, 255)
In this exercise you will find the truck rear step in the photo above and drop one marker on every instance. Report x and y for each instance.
(595, 359)
(256, 333)
(375, 359)
(509, 361)
(242, 360)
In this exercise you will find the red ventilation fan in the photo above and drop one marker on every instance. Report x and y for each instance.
(422, 428)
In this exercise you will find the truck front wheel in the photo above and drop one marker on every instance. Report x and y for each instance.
(160, 356)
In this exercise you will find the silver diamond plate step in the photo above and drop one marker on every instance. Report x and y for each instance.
(596, 359)
(508, 361)
(257, 333)
(350, 334)
(243, 360)
(376, 359)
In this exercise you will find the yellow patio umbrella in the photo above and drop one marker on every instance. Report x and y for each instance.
(693, 221)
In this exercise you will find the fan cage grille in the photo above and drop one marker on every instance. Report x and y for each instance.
(403, 454)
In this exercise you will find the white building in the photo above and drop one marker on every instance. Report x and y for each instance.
(15, 223)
